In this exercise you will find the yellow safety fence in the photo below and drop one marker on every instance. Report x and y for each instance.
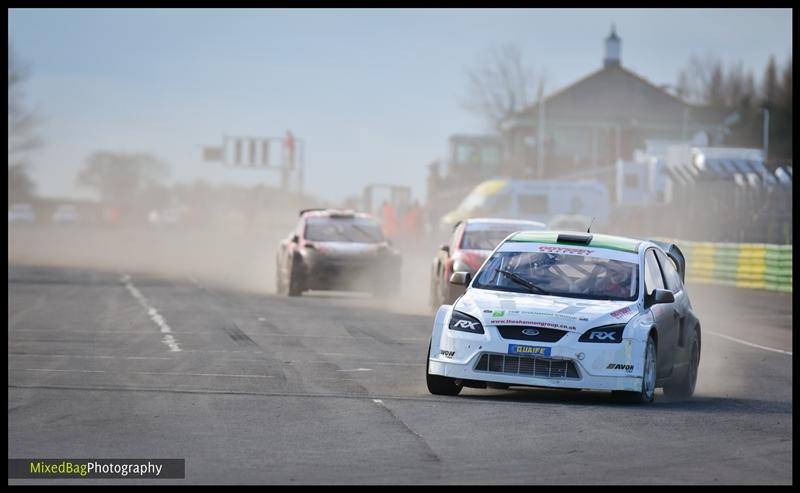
(746, 265)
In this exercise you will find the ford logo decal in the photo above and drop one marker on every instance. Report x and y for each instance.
(530, 332)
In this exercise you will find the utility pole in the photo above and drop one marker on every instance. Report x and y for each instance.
(766, 133)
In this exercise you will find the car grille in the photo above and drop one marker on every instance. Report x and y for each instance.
(529, 366)
(544, 335)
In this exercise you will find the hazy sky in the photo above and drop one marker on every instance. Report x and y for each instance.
(375, 93)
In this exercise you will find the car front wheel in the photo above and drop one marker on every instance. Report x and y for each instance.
(438, 384)
(648, 390)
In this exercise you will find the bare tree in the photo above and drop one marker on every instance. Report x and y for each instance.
(703, 81)
(21, 134)
(706, 81)
(770, 87)
(21, 123)
(122, 178)
(500, 85)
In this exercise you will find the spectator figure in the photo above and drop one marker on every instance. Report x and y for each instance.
(412, 222)
(389, 220)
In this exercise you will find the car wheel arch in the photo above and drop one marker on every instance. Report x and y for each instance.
(653, 332)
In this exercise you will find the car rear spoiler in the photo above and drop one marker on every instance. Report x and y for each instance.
(311, 210)
(675, 254)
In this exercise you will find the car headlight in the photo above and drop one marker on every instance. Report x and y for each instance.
(465, 323)
(609, 334)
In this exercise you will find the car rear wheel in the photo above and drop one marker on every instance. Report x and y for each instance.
(433, 297)
(684, 387)
(438, 384)
(648, 391)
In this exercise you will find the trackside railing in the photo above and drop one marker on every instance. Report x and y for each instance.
(745, 265)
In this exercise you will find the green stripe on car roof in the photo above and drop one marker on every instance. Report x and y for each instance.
(598, 240)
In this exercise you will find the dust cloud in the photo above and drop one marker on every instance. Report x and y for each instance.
(231, 255)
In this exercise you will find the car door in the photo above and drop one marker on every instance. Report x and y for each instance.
(665, 316)
(682, 306)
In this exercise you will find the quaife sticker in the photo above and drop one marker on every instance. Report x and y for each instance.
(528, 350)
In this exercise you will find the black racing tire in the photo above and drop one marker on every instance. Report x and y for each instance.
(648, 392)
(684, 388)
(433, 298)
(295, 286)
(437, 384)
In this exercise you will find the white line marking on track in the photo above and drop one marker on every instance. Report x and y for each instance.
(747, 343)
(156, 317)
(64, 371)
(219, 351)
(199, 374)
(79, 356)
(62, 356)
(147, 373)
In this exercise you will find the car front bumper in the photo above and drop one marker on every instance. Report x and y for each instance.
(568, 364)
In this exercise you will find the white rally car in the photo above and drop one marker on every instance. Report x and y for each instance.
(570, 311)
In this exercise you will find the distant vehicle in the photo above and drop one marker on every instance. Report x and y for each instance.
(21, 213)
(534, 200)
(166, 217)
(570, 311)
(332, 249)
(66, 214)
(570, 222)
(471, 242)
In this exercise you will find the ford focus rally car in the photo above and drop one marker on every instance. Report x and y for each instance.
(471, 242)
(570, 311)
(332, 249)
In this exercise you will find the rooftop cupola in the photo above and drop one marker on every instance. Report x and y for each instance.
(613, 49)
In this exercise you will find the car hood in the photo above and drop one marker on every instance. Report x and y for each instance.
(556, 312)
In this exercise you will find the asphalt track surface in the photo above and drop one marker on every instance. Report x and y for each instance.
(330, 388)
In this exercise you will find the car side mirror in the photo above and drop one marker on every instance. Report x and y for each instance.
(295, 239)
(460, 278)
(445, 248)
(661, 296)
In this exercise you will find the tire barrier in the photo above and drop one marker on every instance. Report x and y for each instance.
(744, 265)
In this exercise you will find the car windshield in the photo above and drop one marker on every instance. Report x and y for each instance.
(351, 229)
(558, 274)
(486, 239)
